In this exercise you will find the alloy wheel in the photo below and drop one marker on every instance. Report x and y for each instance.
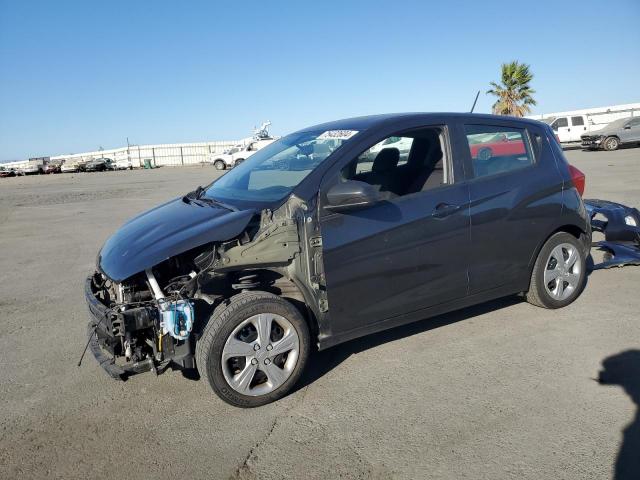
(611, 143)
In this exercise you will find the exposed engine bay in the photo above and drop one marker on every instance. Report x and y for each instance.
(152, 319)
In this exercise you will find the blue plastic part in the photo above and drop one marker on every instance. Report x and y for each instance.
(177, 319)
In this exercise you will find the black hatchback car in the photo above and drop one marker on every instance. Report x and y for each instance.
(334, 232)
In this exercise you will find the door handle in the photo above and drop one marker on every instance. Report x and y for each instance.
(444, 210)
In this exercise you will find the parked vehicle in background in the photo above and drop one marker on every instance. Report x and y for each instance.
(483, 146)
(32, 169)
(68, 167)
(401, 143)
(571, 126)
(99, 165)
(309, 242)
(625, 131)
(238, 154)
(7, 172)
(123, 164)
(52, 168)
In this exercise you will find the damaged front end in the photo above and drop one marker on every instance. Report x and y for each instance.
(621, 228)
(138, 325)
(152, 319)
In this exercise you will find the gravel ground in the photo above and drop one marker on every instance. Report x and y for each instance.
(501, 390)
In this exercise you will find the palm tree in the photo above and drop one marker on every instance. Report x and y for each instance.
(514, 92)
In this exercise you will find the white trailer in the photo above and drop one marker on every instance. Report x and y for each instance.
(571, 125)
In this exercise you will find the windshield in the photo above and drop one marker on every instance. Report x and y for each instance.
(274, 171)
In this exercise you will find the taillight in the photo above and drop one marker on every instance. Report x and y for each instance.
(578, 179)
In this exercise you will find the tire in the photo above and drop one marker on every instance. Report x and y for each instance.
(223, 335)
(484, 154)
(611, 143)
(220, 165)
(238, 162)
(545, 289)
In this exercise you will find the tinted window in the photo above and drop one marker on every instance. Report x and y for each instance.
(634, 123)
(402, 164)
(577, 121)
(496, 149)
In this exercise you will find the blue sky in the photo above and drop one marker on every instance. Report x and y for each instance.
(75, 75)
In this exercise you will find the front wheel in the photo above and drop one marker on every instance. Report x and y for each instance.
(611, 143)
(559, 274)
(253, 349)
(219, 164)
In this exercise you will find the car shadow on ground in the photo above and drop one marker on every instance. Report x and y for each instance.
(324, 361)
(623, 369)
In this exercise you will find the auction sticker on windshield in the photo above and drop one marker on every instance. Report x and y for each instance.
(337, 134)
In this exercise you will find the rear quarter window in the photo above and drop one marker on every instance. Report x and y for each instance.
(497, 149)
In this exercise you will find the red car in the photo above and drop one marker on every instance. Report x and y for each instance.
(500, 145)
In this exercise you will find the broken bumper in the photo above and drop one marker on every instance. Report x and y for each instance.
(592, 142)
(102, 341)
(621, 227)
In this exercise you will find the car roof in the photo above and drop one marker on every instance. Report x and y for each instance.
(618, 123)
(372, 121)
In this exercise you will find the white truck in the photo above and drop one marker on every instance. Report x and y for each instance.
(240, 152)
(570, 126)
(34, 166)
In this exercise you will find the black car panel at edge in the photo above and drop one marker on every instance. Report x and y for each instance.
(334, 232)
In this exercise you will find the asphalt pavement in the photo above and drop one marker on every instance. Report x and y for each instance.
(500, 390)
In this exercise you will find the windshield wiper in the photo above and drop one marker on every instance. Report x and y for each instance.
(213, 201)
(197, 197)
(196, 194)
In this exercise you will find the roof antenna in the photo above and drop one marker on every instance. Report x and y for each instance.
(474, 102)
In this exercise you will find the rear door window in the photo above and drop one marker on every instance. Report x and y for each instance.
(497, 149)
(577, 121)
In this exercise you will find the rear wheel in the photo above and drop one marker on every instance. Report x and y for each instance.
(219, 164)
(611, 143)
(559, 274)
(253, 349)
(239, 161)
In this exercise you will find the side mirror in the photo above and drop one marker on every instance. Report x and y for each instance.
(627, 127)
(351, 195)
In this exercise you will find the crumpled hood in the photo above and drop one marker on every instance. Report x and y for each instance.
(166, 231)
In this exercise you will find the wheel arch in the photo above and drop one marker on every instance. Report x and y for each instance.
(570, 228)
(277, 281)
